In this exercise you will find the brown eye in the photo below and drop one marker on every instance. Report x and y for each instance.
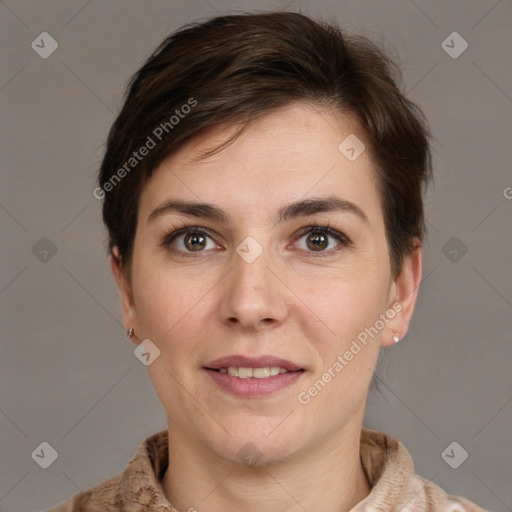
(322, 240)
(317, 241)
(188, 240)
(194, 241)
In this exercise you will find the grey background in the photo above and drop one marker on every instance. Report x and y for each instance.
(67, 374)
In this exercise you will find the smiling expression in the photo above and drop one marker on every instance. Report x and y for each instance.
(269, 254)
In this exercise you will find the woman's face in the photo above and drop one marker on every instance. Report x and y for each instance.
(256, 280)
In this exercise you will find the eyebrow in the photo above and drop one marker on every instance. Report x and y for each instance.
(302, 208)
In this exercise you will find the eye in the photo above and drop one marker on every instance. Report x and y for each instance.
(322, 239)
(189, 240)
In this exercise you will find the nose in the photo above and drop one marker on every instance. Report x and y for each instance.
(253, 296)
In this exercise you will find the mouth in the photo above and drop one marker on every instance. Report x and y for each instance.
(247, 377)
(253, 362)
(243, 372)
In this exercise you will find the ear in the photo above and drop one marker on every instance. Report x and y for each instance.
(403, 294)
(130, 318)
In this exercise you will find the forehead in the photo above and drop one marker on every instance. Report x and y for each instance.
(290, 154)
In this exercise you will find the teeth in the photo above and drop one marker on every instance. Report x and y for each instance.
(260, 373)
(257, 373)
(244, 373)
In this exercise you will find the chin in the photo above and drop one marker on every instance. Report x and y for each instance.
(258, 445)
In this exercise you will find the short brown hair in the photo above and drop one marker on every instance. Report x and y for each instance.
(233, 69)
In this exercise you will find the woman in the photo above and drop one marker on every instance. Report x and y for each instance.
(262, 192)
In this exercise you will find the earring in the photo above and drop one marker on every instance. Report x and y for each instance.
(130, 332)
(396, 339)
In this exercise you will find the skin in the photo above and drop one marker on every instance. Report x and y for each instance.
(289, 302)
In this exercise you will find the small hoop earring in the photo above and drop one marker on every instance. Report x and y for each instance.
(130, 332)
(396, 339)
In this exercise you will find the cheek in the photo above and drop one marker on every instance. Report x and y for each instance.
(346, 353)
(166, 303)
(171, 309)
(346, 302)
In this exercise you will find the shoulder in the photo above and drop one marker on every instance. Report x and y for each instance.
(104, 497)
(136, 489)
(395, 486)
(440, 501)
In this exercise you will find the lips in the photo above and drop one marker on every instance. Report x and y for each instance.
(252, 362)
(253, 377)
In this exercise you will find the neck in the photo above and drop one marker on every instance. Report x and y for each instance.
(327, 478)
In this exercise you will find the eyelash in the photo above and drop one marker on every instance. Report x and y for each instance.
(315, 228)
